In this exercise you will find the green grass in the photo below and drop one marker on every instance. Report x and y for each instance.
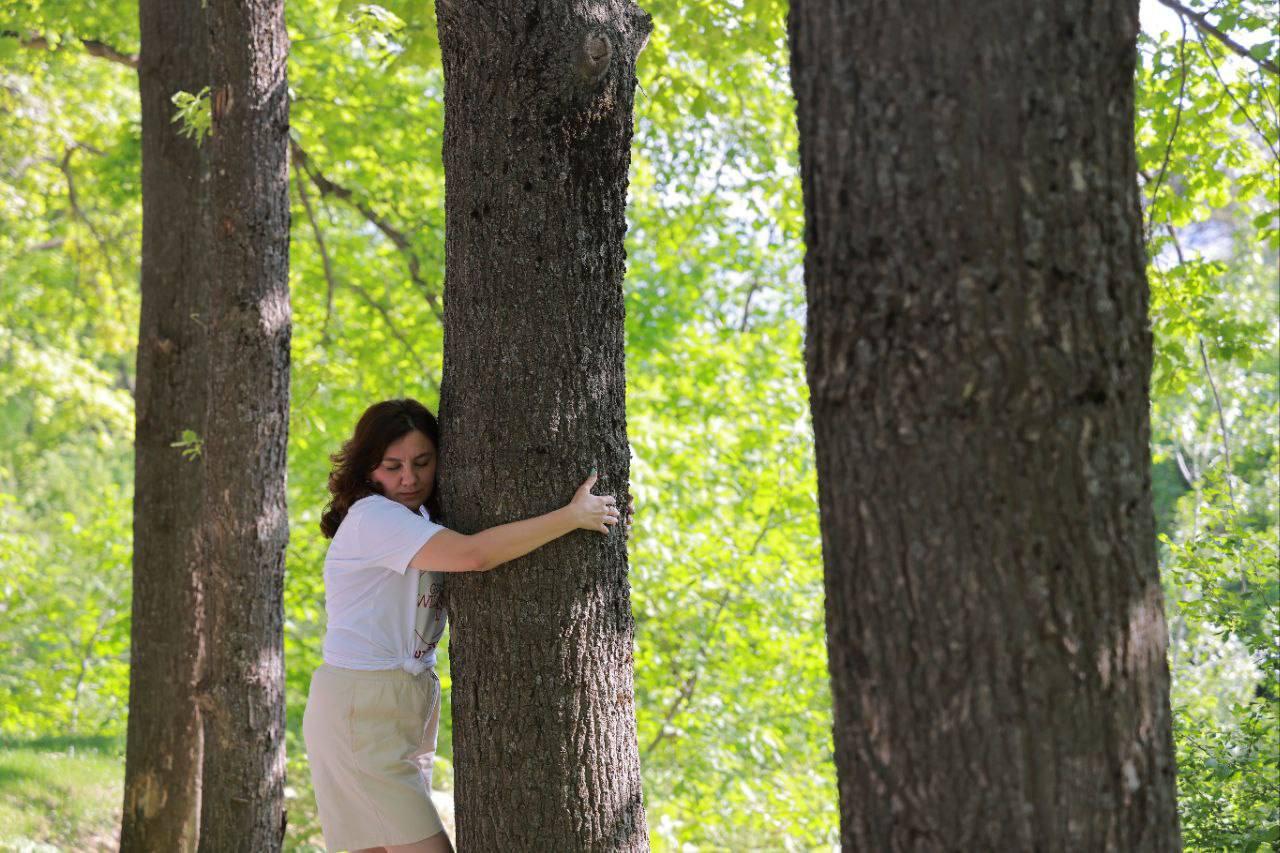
(64, 793)
(60, 793)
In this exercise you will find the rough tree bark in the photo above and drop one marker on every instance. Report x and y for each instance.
(165, 741)
(242, 699)
(979, 358)
(538, 124)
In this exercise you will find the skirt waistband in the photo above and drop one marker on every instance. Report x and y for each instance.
(382, 675)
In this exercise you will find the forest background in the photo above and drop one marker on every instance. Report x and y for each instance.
(732, 699)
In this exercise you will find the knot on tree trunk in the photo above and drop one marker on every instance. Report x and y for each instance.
(594, 55)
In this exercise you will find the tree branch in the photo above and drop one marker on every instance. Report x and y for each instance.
(1213, 386)
(91, 46)
(331, 285)
(322, 183)
(395, 235)
(691, 681)
(395, 332)
(64, 166)
(1226, 88)
(746, 304)
(1189, 476)
(1173, 133)
(1201, 23)
(85, 657)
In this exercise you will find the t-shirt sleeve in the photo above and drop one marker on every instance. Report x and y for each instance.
(390, 534)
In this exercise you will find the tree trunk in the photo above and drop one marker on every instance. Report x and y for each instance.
(165, 745)
(538, 124)
(249, 319)
(979, 357)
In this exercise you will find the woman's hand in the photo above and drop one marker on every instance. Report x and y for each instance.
(593, 512)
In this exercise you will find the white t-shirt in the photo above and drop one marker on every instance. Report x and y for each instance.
(381, 613)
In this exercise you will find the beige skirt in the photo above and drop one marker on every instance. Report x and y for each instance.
(371, 741)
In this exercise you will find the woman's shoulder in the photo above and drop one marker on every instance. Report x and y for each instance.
(369, 521)
(378, 505)
(377, 515)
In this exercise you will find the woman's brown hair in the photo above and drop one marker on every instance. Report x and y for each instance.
(380, 425)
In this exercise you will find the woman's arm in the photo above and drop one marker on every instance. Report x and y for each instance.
(448, 551)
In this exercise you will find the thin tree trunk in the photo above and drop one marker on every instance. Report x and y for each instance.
(165, 735)
(248, 411)
(538, 124)
(978, 357)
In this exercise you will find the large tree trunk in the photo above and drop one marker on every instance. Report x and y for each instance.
(164, 753)
(248, 418)
(538, 124)
(979, 356)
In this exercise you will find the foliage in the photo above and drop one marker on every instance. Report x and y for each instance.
(192, 114)
(733, 702)
(1207, 143)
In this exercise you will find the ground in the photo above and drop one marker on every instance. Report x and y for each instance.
(61, 794)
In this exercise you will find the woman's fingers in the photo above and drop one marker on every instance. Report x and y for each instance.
(605, 505)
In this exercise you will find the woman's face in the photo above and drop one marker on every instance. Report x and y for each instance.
(407, 472)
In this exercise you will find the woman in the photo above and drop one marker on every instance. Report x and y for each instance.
(374, 707)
